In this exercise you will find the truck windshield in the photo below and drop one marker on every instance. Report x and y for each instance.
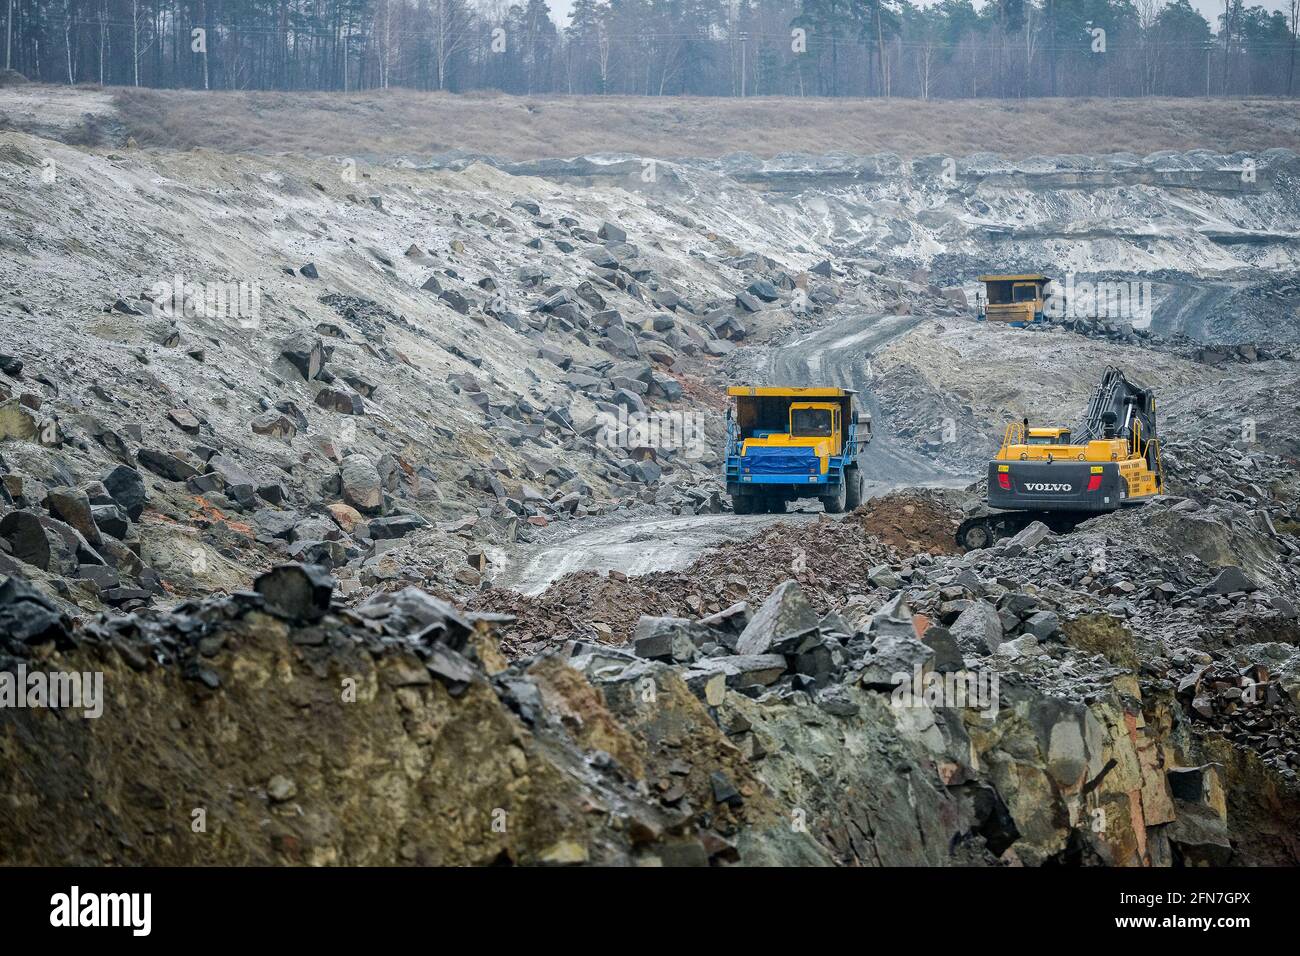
(810, 423)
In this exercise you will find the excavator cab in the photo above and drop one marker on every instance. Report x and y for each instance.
(1048, 436)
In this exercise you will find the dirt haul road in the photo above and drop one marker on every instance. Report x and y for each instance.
(840, 354)
(836, 355)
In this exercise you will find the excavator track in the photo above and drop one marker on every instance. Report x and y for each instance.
(983, 531)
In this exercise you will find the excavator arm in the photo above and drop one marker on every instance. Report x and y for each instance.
(1119, 408)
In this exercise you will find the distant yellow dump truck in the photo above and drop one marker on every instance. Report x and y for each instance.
(787, 442)
(1014, 299)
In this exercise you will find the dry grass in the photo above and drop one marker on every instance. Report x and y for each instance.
(390, 123)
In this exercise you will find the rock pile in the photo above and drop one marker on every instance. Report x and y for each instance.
(1249, 709)
(1125, 333)
(523, 362)
(826, 558)
(1128, 593)
(753, 738)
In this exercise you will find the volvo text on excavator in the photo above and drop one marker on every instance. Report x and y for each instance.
(1062, 476)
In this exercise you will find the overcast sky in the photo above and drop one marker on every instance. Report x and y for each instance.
(1210, 9)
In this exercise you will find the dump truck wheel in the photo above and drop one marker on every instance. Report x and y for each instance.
(855, 487)
(834, 503)
(744, 504)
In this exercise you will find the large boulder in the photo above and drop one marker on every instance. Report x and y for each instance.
(737, 672)
(126, 487)
(111, 520)
(305, 352)
(1232, 580)
(947, 654)
(978, 629)
(395, 526)
(781, 624)
(893, 660)
(166, 464)
(73, 507)
(668, 638)
(361, 485)
(1028, 538)
(27, 615)
(893, 619)
(296, 592)
(232, 473)
(612, 233)
(274, 424)
(17, 423)
(31, 542)
(347, 517)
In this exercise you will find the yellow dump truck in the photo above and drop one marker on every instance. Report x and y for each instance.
(1013, 299)
(786, 442)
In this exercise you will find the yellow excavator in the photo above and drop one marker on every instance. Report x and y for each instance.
(1062, 476)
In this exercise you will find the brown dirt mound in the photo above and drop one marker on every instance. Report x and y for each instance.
(912, 521)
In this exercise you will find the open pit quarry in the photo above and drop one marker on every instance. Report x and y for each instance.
(311, 458)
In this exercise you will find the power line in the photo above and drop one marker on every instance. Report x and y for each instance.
(811, 39)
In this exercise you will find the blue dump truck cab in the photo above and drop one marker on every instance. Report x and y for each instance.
(785, 443)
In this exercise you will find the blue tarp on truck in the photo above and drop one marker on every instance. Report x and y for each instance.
(780, 461)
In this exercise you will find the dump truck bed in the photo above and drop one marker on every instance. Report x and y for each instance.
(768, 406)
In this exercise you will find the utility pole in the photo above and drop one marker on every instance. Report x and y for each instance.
(9, 34)
(135, 39)
(203, 15)
(744, 41)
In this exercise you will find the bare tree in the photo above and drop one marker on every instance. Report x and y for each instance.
(602, 55)
(1148, 50)
(67, 35)
(384, 45)
(1293, 24)
(450, 35)
(103, 37)
(1231, 27)
(1032, 30)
